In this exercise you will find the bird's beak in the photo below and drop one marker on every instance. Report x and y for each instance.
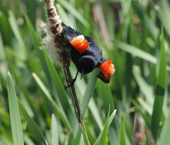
(102, 77)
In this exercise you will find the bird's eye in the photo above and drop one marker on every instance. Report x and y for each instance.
(102, 59)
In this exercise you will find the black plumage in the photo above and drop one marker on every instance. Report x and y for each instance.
(88, 60)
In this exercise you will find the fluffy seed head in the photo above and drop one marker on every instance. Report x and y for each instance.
(54, 41)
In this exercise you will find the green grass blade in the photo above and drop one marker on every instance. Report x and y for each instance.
(161, 80)
(28, 104)
(105, 131)
(147, 19)
(14, 113)
(15, 55)
(96, 114)
(88, 93)
(144, 115)
(160, 89)
(28, 140)
(36, 44)
(164, 136)
(146, 89)
(89, 90)
(61, 93)
(4, 141)
(3, 63)
(5, 29)
(75, 140)
(42, 87)
(122, 134)
(151, 26)
(50, 102)
(145, 105)
(74, 12)
(65, 18)
(80, 92)
(84, 135)
(163, 15)
(135, 51)
(54, 129)
(32, 125)
(21, 49)
(2, 53)
(14, 26)
(110, 121)
(34, 38)
(104, 92)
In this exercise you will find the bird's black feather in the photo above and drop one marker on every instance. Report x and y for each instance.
(90, 59)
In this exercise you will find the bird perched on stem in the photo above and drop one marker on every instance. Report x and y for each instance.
(85, 55)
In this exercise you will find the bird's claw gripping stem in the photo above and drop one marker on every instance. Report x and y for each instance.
(71, 82)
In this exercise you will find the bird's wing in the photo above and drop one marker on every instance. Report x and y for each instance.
(75, 38)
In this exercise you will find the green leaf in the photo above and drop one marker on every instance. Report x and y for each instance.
(161, 80)
(34, 38)
(164, 136)
(75, 140)
(3, 63)
(160, 90)
(88, 94)
(146, 89)
(50, 102)
(74, 12)
(28, 140)
(103, 91)
(89, 90)
(163, 15)
(26, 99)
(84, 135)
(14, 113)
(42, 87)
(135, 51)
(32, 125)
(145, 105)
(105, 130)
(15, 28)
(2, 53)
(65, 18)
(140, 109)
(110, 121)
(80, 90)
(96, 114)
(36, 44)
(151, 26)
(62, 97)
(55, 130)
(122, 134)
(4, 141)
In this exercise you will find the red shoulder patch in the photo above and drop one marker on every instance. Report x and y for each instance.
(80, 44)
(107, 68)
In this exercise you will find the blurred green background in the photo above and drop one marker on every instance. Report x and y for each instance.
(133, 34)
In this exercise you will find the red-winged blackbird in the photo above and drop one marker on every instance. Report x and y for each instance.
(85, 55)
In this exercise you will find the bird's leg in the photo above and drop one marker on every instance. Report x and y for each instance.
(72, 81)
(82, 73)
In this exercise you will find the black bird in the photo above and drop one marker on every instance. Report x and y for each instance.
(85, 55)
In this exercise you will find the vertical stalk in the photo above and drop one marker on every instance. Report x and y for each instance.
(77, 107)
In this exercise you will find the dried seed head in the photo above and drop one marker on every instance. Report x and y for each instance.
(139, 134)
(54, 41)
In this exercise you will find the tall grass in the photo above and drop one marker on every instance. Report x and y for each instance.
(35, 108)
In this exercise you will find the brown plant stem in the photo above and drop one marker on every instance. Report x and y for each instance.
(62, 52)
(71, 95)
(76, 103)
